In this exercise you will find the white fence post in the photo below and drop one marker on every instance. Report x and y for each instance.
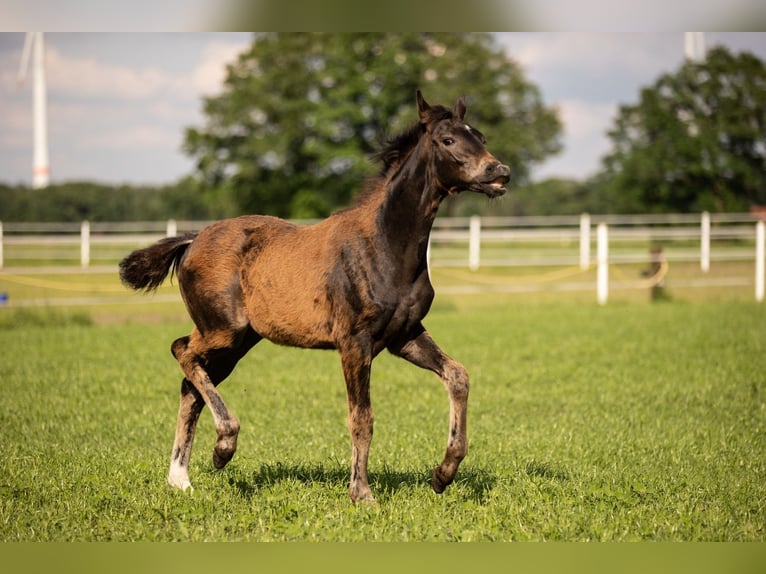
(760, 259)
(602, 260)
(705, 242)
(474, 242)
(584, 241)
(1, 244)
(171, 230)
(428, 255)
(85, 243)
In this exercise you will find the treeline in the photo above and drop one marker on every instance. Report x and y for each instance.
(83, 200)
(553, 196)
(79, 201)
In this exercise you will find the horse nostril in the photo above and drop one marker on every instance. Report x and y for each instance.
(497, 170)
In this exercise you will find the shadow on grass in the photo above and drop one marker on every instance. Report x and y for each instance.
(547, 470)
(384, 482)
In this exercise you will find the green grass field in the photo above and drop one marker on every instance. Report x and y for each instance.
(624, 422)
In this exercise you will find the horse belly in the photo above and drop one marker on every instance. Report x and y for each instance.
(290, 330)
(288, 307)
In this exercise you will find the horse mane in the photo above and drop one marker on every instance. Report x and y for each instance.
(395, 150)
(397, 147)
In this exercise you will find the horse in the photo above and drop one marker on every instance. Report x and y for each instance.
(356, 282)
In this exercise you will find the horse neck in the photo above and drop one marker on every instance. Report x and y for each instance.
(409, 206)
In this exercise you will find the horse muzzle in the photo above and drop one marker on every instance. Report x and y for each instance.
(493, 180)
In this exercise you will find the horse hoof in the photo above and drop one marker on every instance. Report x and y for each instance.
(439, 484)
(361, 495)
(221, 460)
(183, 486)
(367, 500)
(187, 487)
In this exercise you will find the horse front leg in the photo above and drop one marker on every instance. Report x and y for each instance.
(421, 350)
(356, 364)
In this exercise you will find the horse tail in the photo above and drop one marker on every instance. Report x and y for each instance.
(145, 269)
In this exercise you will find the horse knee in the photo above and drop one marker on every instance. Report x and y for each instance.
(361, 424)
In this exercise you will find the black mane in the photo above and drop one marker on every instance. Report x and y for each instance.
(396, 148)
(393, 152)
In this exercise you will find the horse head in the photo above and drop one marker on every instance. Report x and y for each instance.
(460, 159)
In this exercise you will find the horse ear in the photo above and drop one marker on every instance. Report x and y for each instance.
(423, 107)
(459, 109)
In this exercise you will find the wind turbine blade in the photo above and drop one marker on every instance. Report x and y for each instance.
(24, 65)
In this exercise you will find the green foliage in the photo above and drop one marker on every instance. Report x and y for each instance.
(552, 196)
(301, 113)
(695, 141)
(628, 422)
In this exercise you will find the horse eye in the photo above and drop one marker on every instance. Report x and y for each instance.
(448, 141)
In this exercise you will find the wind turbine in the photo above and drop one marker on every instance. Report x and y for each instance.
(34, 44)
(694, 46)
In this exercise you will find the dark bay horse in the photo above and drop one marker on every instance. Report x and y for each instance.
(356, 282)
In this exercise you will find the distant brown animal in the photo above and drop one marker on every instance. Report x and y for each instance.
(356, 282)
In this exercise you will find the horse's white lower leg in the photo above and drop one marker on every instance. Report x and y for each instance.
(189, 409)
(178, 477)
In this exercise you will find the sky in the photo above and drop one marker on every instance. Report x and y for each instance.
(118, 103)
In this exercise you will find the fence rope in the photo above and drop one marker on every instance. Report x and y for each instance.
(472, 276)
(648, 282)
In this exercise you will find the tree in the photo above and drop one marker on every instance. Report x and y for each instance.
(695, 141)
(300, 114)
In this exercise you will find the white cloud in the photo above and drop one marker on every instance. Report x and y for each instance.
(105, 114)
(581, 118)
(605, 63)
(208, 76)
(583, 51)
(584, 139)
(90, 78)
(586, 77)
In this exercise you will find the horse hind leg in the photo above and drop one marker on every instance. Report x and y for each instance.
(199, 389)
(189, 409)
(190, 406)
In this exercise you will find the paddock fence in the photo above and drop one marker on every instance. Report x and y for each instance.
(598, 253)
